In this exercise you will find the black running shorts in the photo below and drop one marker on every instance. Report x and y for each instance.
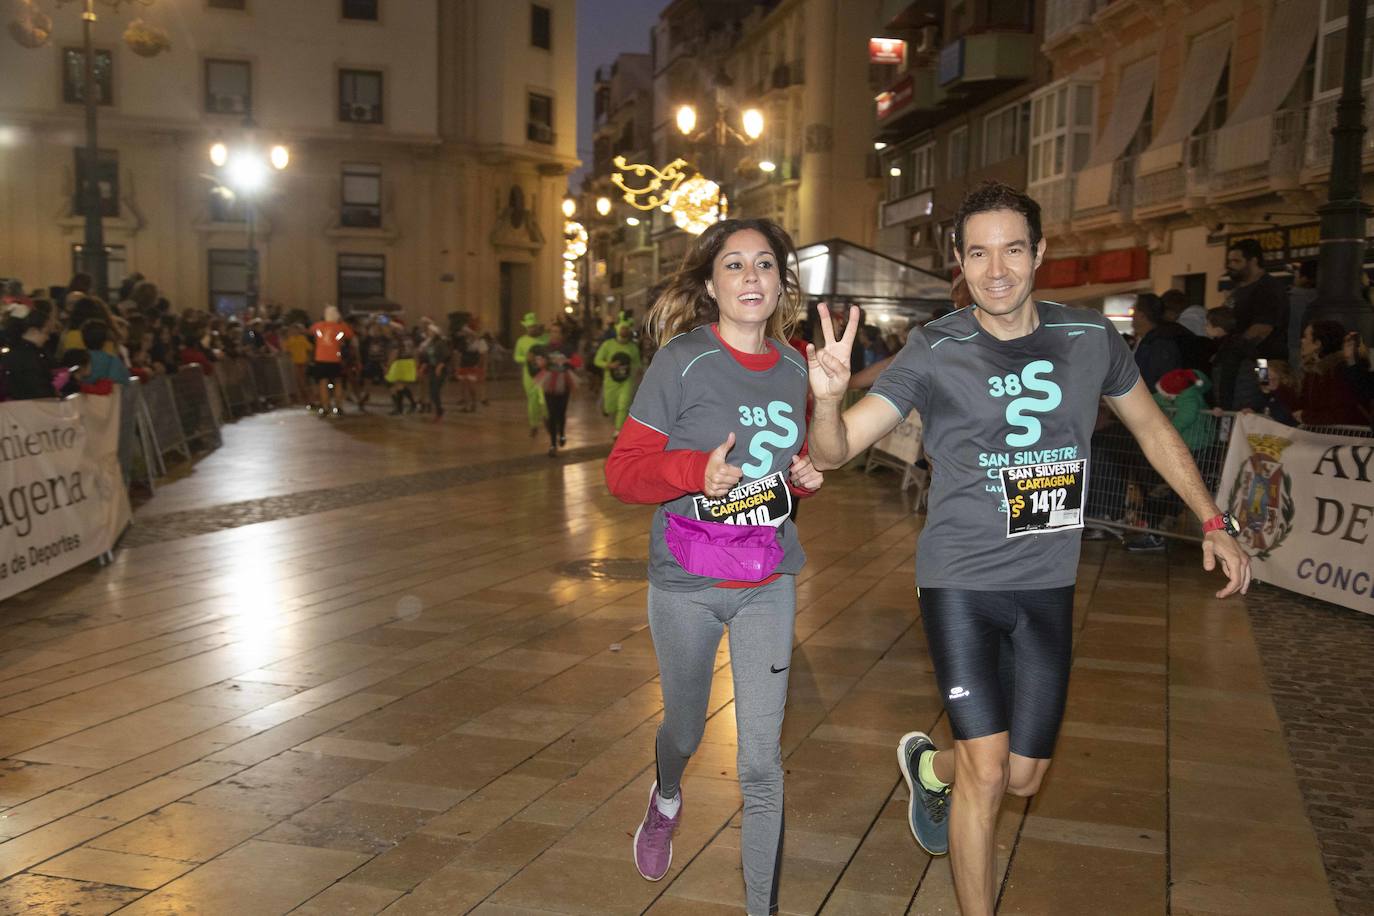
(324, 371)
(1002, 661)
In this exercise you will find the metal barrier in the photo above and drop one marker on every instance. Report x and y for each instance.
(138, 453)
(165, 419)
(235, 378)
(192, 397)
(1126, 493)
(269, 384)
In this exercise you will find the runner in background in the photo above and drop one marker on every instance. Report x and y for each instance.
(618, 359)
(556, 378)
(534, 336)
(330, 335)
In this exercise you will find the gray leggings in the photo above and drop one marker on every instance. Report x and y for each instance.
(686, 627)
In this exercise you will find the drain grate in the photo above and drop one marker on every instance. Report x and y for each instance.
(627, 568)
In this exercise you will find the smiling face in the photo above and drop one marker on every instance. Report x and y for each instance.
(998, 260)
(746, 280)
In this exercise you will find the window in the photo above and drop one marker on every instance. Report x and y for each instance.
(224, 206)
(226, 4)
(360, 9)
(116, 264)
(74, 76)
(1061, 131)
(1331, 49)
(228, 87)
(922, 167)
(1006, 133)
(1009, 14)
(361, 277)
(228, 280)
(957, 152)
(539, 127)
(107, 178)
(361, 206)
(360, 96)
(541, 27)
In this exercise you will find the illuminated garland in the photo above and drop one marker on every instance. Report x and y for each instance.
(670, 176)
(698, 204)
(574, 247)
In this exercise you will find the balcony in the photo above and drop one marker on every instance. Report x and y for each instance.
(1320, 122)
(1181, 187)
(905, 209)
(990, 61)
(1104, 195)
(1055, 198)
(910, 104)
(1065, 19)
(1259, 156)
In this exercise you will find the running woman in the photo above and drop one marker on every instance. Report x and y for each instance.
(1008, 389)
(716, 438)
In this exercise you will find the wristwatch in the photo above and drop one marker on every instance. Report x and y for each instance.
(1222, 522)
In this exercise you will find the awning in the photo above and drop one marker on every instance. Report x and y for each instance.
(1093, 293)
(1247, 137)
(1207, 56)
(1133, 91)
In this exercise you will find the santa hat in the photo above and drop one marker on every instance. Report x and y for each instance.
(1177, 381)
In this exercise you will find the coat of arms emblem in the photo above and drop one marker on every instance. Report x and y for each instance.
(1261, 499)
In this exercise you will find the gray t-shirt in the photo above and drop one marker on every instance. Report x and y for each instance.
(996, 412)
(696, 393)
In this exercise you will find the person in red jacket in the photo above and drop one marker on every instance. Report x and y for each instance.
(715, 437)
(1327, 397)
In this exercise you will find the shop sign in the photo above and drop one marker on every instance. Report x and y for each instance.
(886, 51)
(896, 98)
(1284, 243)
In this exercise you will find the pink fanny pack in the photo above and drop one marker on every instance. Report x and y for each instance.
(738, 553)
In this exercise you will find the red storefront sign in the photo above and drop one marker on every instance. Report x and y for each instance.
(1119, 266)
(895, 98)
(886, 51)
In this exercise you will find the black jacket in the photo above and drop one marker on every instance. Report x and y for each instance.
(27, 372)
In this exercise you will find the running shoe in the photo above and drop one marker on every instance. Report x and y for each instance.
(927, 811)
(1145, 543)
(654, 839)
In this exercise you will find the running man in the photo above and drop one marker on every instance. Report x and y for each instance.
(619, 359)
(534, 336)
(1008, 389)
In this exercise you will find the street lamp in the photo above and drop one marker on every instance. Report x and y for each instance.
(32, 28)
(244, 173)
(686, 119)
(752, 120)
(603, 206)
(569, 207)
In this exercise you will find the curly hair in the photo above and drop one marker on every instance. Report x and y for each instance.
(684, 303)
(994, 195)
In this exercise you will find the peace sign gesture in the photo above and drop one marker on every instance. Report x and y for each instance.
(830, 364)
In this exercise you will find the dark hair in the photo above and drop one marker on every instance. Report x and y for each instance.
(37, 317)
(94, 333)
(1329, 335)
(1174, 302)
(1249, 249)
(684, 303)
(1308, 270)
(80, 282)
(76, 358)
(1150, 306)
(1223, 319)
(994, 195)
(87, 308)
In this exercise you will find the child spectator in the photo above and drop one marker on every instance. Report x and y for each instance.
(298, 346)
(94, 334)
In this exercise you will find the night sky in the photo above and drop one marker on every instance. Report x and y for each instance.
(606, 28)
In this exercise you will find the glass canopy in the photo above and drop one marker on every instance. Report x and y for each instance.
(886, 289)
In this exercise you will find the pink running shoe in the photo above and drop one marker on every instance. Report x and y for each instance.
(654, 839)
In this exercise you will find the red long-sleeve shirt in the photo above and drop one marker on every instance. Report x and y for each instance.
(641, 469)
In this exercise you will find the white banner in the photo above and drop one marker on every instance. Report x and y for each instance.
(1305, 504)
(62, 495)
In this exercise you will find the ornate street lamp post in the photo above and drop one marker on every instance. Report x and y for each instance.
(244, 173)
(32, 28)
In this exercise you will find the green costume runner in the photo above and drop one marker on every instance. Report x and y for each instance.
(618, 356)
(535, 408)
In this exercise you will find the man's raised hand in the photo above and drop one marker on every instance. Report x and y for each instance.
(829, 365)
(721, 477)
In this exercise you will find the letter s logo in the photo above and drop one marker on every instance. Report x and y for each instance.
(1016, 411)
(778, 413)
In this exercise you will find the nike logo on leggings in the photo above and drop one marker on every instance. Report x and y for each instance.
(777, 670)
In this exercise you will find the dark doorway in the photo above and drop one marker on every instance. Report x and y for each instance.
(515, 299)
